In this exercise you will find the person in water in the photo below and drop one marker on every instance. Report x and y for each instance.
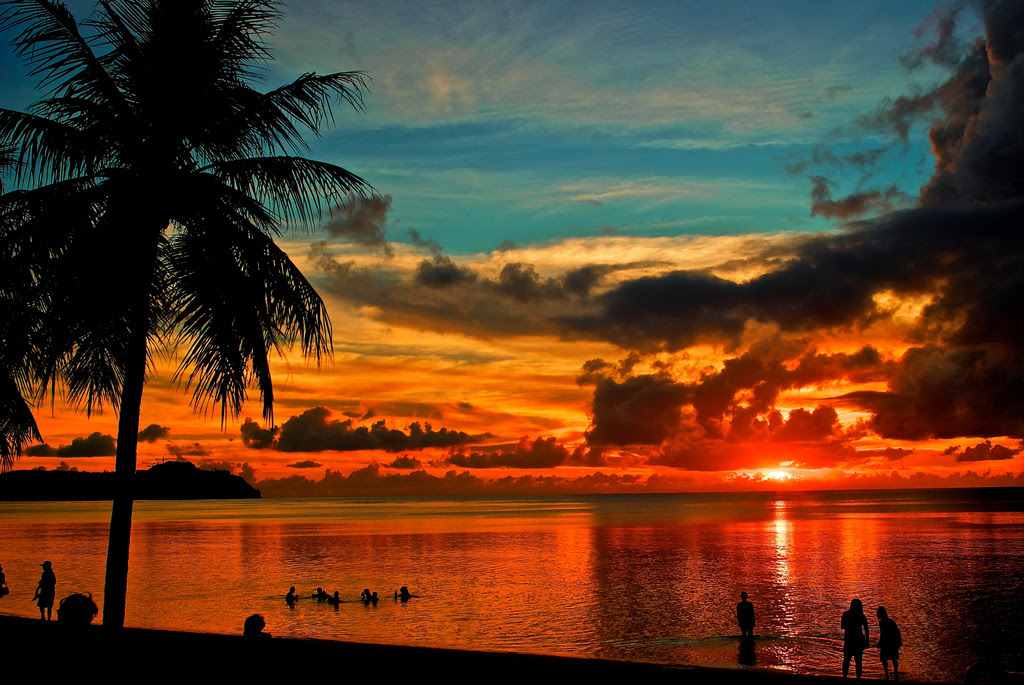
(320, 595)
(745, 617)
(291, 597)
(46, 591)
(336, 599)
(4, 590)
(855, 636)
(889, 643)
(365, 596)
(402, 594)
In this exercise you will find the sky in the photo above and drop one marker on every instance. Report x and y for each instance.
(640, 247)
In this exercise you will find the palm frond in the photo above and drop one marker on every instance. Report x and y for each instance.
(47, 150)
(308, 98)
(295, 188)
(52, 45)
(239, 296)
(241, 27)
(17, 424)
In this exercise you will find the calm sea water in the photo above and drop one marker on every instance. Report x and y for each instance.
(648, 577)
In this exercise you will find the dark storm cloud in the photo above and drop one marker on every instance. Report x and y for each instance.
(831, 283)
(642, 410)
(541, 453)
(517, 281)
(949, 392)
(806, 426)
(446, 296)
(428, 244)
(181, 451)
(362, 221)
(153, 432)
(95, 445)
(854, 205)
(255, 436)
(900, 114)
(313, 431)
(975, 115)
(735, 403)
(442, 272)
(889, 453)
(946, 48)
(308, 464)
(405, 463)
(986, 451)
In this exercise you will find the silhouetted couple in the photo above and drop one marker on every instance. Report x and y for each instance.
(856, 639)
(368, 597)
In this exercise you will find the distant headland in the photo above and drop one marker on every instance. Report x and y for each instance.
(169, 480)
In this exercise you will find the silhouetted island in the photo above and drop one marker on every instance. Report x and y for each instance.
(170, 480)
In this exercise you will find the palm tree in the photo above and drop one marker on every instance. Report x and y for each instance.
(17, 425)
(152, 180)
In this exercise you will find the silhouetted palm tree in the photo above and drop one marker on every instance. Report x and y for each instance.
(153, 178)
(17, 424)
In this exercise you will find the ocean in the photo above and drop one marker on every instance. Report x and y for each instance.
(636, 577)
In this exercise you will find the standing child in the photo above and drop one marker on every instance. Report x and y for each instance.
(889, 643)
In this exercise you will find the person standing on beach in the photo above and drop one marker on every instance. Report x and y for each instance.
(45, 591)
(745, 617)
(889, 643)
(855, 636)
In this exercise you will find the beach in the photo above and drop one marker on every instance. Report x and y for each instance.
(164, 656)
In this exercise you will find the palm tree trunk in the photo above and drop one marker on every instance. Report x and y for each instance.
(115, 587)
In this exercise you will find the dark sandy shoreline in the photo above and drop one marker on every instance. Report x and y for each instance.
(165, 655)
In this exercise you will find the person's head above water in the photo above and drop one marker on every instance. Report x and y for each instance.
(856, 605)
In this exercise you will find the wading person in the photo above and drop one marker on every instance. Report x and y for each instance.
(889, 643)
(45, 591)
(745, 617)
(855, 636)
